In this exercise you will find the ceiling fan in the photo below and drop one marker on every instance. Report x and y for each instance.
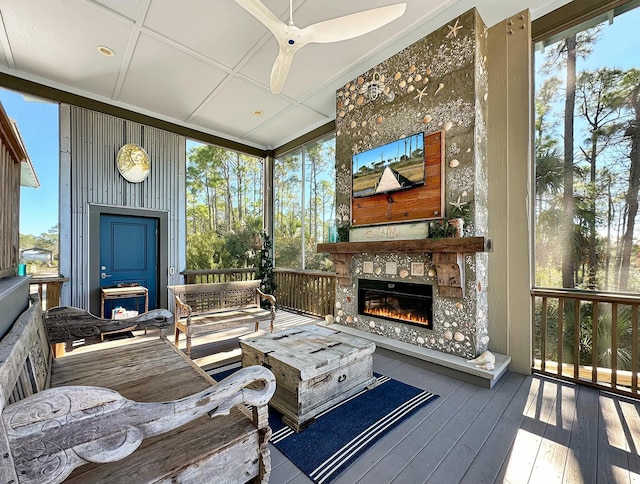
(291, 38)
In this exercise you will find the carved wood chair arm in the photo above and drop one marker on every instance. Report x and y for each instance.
(66, 323)
(62, 417)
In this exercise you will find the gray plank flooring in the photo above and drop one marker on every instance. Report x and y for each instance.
(527, 429)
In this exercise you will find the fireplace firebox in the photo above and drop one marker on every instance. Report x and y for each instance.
(396, 301)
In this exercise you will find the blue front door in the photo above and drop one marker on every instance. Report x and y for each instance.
(128, 255)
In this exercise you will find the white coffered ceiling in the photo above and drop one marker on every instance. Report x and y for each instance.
(205, 64)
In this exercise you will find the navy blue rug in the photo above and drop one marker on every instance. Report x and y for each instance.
(341, 434)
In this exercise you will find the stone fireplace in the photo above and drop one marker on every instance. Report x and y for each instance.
(440, 86)
(458, 325)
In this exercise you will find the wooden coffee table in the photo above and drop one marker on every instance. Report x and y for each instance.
(315, 369)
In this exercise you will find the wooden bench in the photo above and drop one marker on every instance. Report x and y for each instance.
(202, 308)
(92, 416)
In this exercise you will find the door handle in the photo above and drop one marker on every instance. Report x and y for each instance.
(104, 276)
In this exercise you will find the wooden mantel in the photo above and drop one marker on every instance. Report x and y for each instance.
(463, 245)
(447, 257)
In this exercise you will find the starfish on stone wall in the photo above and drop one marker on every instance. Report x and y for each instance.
(458, 204)
(453, 31)
(421, 92)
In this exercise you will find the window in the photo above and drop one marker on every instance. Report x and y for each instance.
(587, 156)
(304, 204)
(224, 207)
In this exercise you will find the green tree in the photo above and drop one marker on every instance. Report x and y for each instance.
(599, 102)
(223, 210)
(631, 81)
(565, 53)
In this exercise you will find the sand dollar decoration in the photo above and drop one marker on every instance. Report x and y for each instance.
(133, 163)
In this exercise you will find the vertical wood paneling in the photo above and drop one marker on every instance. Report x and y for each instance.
(11, 157)
(95, 139)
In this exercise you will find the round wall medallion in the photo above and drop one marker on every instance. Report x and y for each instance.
(133, 163)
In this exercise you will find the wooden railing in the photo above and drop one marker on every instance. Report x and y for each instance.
(219, 275)
(48, 290)
(588, 337)
(306, 291)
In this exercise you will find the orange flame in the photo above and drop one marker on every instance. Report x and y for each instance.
(404, 316)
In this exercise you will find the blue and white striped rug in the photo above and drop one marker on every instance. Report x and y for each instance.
(341, 434)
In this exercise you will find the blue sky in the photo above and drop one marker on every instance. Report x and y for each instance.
(618, 46)
(38, 123)
(385, 152)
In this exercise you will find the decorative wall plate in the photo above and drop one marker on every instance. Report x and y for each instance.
(133, 163)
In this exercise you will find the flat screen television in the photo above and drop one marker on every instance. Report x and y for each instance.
(398, 165)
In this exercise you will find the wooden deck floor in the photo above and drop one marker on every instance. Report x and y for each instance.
(527, 429)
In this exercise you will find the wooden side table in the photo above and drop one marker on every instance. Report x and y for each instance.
(123, 293)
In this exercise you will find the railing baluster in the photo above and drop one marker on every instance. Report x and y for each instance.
(634, 348)
(594, 342)
(560, 333)
(311, 291)
(533, 331)
(543, 333)
(614, 344)
(576, 338)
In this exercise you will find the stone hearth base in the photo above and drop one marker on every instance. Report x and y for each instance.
(443, 363)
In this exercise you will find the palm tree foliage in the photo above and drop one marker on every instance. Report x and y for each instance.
(606, 340)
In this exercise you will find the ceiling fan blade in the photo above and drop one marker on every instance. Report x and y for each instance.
(350, 26)
(264, 16)
(281, 68)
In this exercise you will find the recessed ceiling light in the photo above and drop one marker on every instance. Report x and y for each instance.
(105, 51)
(258, 112)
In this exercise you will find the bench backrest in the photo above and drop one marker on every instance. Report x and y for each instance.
(218, 296)
(25, 357)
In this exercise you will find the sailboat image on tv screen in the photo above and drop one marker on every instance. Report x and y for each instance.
(395, 166)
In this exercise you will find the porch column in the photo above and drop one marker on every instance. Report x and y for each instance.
(510, 71)
(267, 200)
